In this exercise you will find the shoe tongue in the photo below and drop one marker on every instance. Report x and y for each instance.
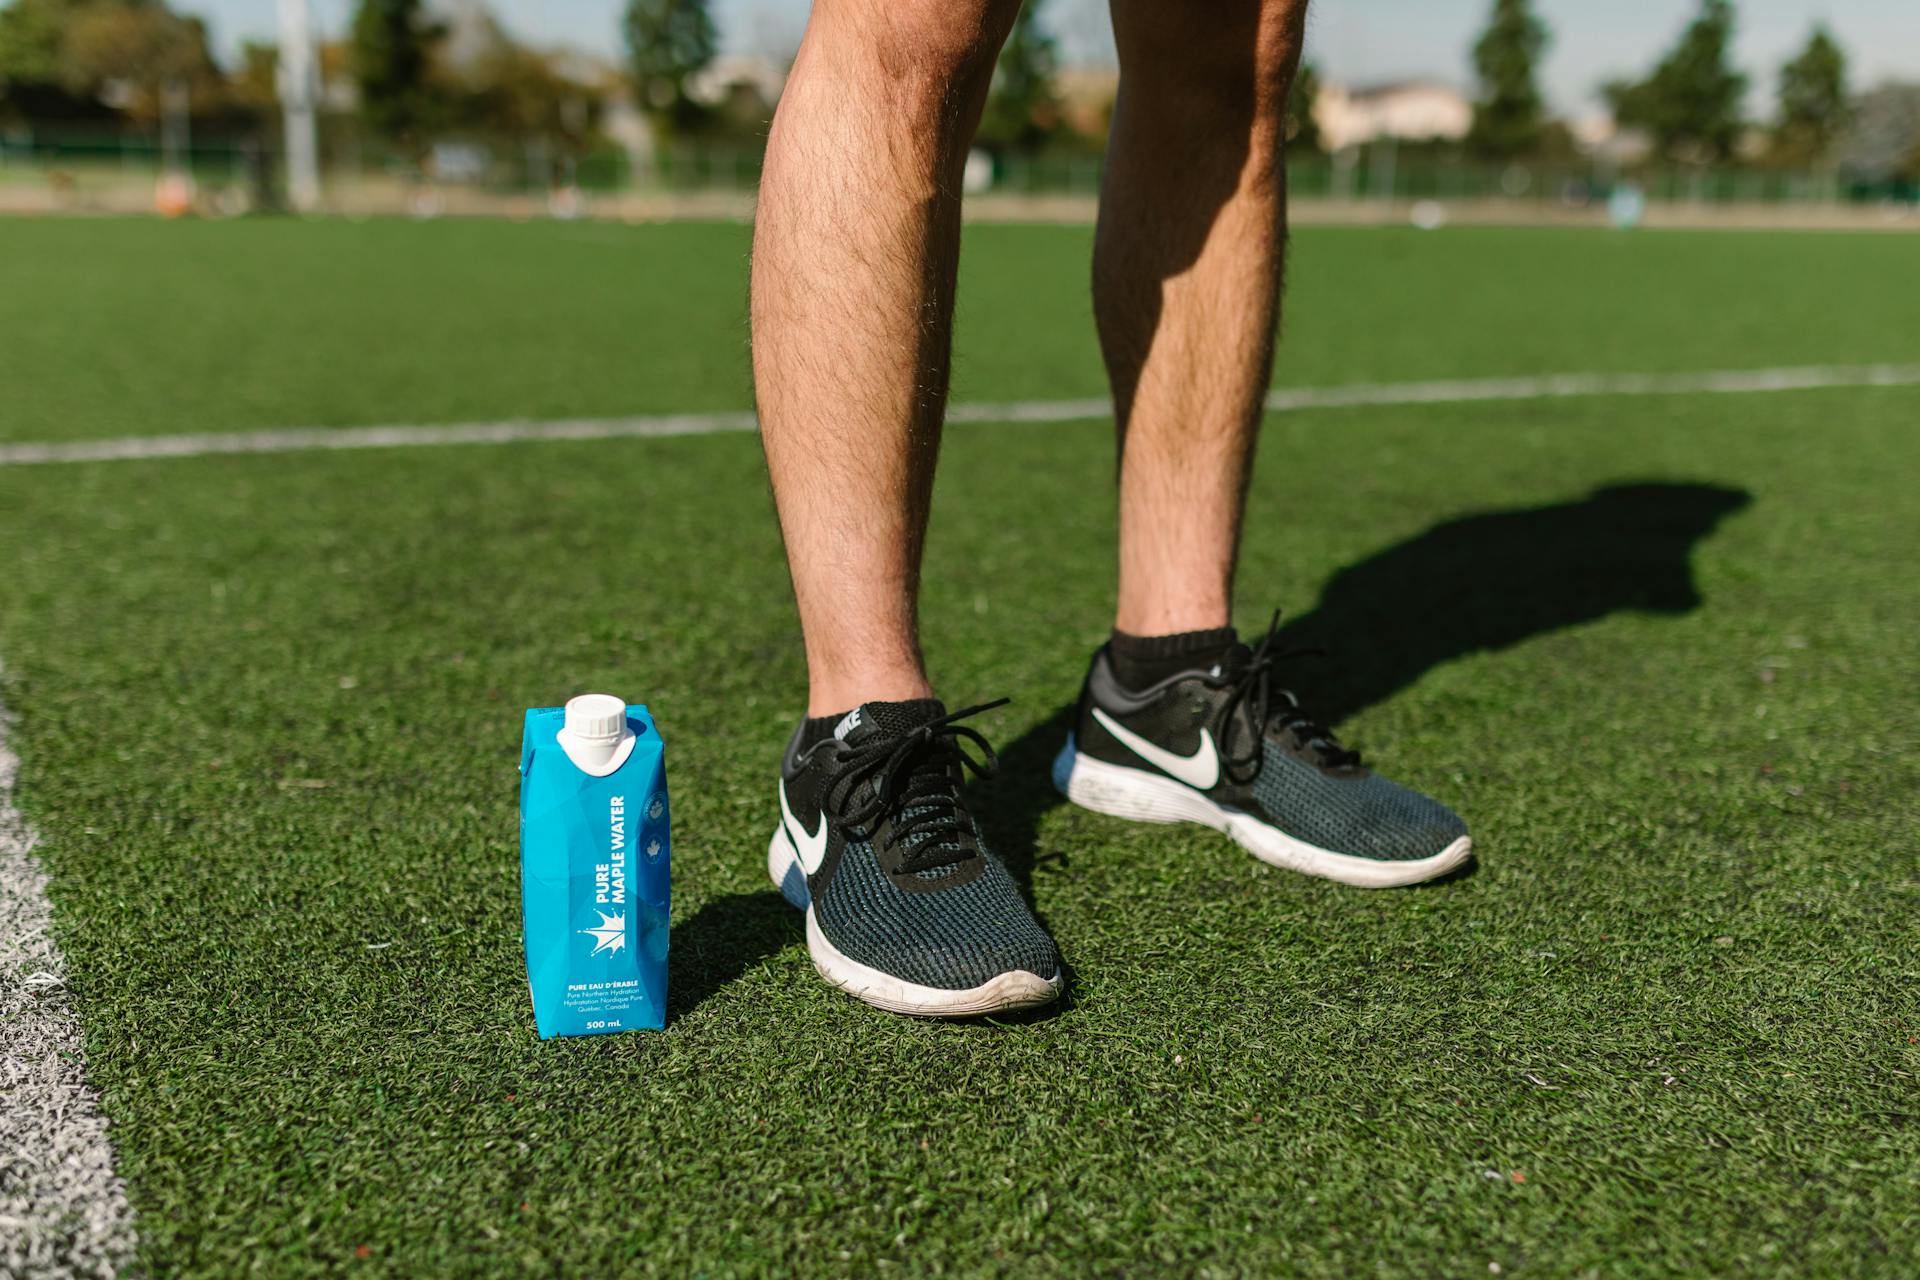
(872, 719)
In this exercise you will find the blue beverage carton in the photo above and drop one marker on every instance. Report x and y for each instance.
(594, 860)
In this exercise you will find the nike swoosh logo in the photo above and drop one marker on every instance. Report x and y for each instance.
(1201, 770)
(812, 848)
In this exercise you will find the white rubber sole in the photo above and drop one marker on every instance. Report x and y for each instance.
(1015, 989)
(1147, 797)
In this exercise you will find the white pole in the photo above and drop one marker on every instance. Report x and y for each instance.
(299, 83)
(176, 127)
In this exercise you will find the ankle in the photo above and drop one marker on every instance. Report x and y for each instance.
(838, 694)
(1163, 617)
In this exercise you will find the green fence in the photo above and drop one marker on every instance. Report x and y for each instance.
(1374, 173)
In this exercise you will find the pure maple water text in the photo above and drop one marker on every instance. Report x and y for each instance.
(594, 858)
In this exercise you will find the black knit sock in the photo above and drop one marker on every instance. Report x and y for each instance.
(816, 729)
(1141, 661)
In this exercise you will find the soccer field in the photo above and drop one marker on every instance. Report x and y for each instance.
(1659, 650)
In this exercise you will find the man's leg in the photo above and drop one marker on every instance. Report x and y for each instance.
(1178, 720)
(1186, 276)
(854, 251)
(853, 269)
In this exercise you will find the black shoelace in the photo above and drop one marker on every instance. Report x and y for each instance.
(1269, 707)
(913, 781)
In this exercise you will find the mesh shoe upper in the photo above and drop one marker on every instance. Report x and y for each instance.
(952, 938)
(907, 886)
(1274, 762)
(1362, 814)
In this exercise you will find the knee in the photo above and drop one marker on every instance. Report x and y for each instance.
(936, 49)
(1233, 69)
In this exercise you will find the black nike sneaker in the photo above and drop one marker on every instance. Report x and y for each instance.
(1227, 747)
(906, 907)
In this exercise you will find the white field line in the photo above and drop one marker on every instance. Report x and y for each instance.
(1547, 387)
(63, 1211)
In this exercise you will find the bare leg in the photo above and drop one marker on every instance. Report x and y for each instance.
(1186, 274)
(854, 254)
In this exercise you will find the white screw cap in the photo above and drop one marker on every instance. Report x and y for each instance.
(596, 718)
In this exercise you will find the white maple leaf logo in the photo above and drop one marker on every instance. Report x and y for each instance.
(653, 848)
(610, 936)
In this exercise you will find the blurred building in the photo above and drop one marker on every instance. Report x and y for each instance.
(472, 31)
(744, 79)
(1882, 142)
(623, 122)
(1599, 135)
(1407, 110)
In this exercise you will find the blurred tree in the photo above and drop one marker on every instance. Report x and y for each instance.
(515, 92)
(30, 61)
(31, 33)
(670, 42)
(1691, 102)
(1023, 108)
(1303, 131)
(1813, 101)
(251, 85)
(1507, 116)
(393, 48)
(336, 61)
(131, 52)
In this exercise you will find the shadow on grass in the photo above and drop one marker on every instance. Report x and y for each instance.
(721, 941)
(1481, 582)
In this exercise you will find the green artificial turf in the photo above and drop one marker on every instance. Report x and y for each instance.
(1659, 651)
(133, 327)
